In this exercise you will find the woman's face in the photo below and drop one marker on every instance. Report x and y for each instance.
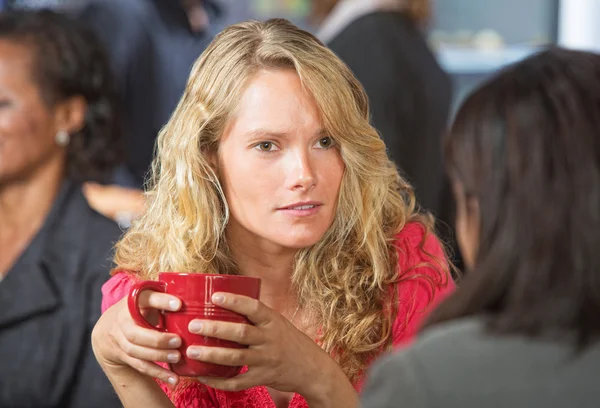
(280, 171)
(27, 126)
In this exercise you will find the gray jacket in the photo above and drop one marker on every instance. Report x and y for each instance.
(458, 365)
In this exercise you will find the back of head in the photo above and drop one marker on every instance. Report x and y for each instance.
(526, 146)
(68, 60)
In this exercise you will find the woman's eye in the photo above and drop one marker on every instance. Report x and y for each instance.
(325, 142)
(266, 147)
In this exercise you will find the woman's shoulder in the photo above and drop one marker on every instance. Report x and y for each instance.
(453, 340)
(414, 232)
(416, 246)
(424, 279)
(98, 232)
(454, 331)
(410, 372)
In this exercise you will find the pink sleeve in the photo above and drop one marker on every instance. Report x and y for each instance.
(116, 288)
(422, 287)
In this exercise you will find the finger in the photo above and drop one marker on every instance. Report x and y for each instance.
(152, 369)
(237, 383)
(159, 300)
(223, 356)
(238, 332)
(256, 311)
(148, 353)
(90, 188)
(149, 338)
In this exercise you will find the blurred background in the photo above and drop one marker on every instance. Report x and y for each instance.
(471, 38)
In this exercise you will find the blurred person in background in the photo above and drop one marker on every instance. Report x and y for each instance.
(57, 129)
(523, 331)
(383, 43)
(152, 46)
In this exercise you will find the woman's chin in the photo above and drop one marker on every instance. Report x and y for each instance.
(300, 242)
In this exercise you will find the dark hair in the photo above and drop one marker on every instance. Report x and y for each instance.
(68, 60)
(526, 145)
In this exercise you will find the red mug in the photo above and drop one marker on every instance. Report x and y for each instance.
(195, 291)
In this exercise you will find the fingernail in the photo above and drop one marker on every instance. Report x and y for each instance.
(173, 357)
(193, 353)
(218, 298)
(195, 326)
(174, 304)
(172, 380)
(175, 342)
(201, 379)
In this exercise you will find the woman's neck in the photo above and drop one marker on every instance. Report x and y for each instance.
(24, 205)
(272, 264)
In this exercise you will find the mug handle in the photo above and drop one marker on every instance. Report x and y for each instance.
(134, 307)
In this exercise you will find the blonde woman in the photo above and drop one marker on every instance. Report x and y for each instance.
(269, 168)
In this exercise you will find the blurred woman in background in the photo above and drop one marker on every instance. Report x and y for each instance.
(57, 129)
(523, 331)
(383, 43)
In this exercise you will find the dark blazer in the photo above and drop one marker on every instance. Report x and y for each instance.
(152, 49)
(49, 303)
(409, 96)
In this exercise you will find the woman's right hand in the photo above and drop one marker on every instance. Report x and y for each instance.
(119, 342)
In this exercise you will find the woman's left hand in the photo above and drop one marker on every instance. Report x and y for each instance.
(279, 355)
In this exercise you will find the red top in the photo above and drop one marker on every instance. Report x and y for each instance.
(416, 298)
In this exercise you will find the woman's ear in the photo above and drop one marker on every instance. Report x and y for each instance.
(69, 114)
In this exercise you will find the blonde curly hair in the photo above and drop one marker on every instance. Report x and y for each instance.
(343, 280)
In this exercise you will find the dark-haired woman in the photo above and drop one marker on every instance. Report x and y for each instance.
(524, 329)
(57, 129)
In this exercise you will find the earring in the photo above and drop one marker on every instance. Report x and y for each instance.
(62, 138)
